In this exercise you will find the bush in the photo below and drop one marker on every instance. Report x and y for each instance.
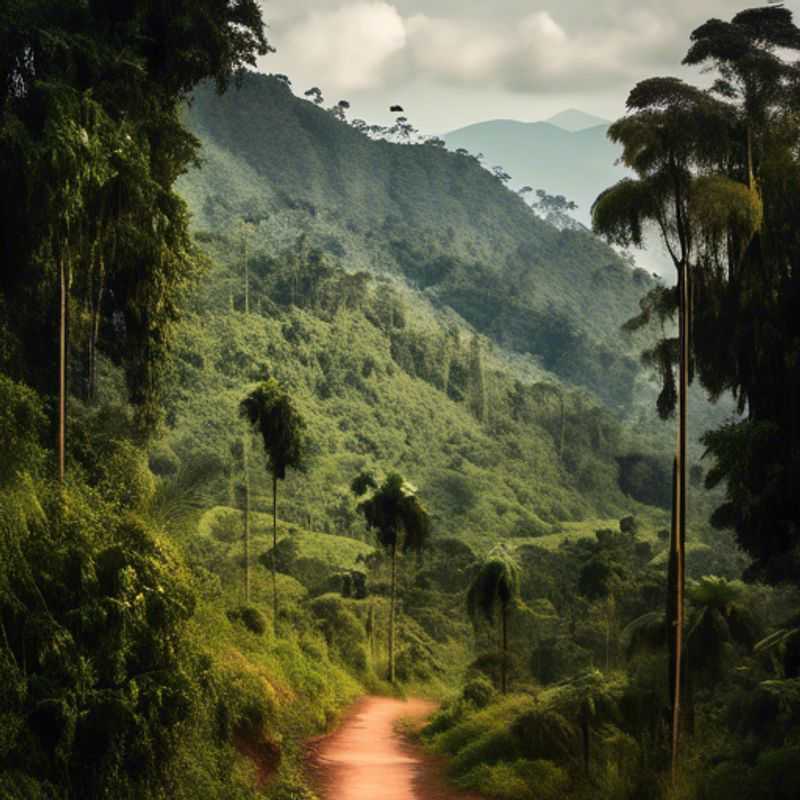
(343, 632)
(728, 781)
(125, 478)
(21, 423)
(163, 461)
(479, 692)
(250, 617)
(629, 525)
(96, 610)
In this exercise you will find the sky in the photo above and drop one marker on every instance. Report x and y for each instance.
(450, 63)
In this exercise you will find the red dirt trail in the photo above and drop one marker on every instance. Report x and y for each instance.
(367, 759)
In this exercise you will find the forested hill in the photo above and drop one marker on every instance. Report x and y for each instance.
(436, 218)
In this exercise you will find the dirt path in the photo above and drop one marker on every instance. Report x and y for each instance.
(366, 759)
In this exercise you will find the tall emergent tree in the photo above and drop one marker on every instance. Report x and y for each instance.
(716, 170)
(272, 414)
(492, 595)
(400, 521)
(91, 143)
(670, 139)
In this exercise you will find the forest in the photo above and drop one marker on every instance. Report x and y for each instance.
(315, 432)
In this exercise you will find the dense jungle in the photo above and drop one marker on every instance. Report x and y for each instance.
(335, 464)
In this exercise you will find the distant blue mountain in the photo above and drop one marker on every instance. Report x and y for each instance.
(578, 164)
(574, 120)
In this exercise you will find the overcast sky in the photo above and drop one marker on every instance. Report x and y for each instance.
(453, 62)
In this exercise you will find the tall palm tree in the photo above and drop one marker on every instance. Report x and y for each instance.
(271, 413)
(400, 521)
(493, 593)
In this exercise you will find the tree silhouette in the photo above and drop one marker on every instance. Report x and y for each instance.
(492, 594)
(340, 110)
(400, 521)
(315, 95)
(272, 414)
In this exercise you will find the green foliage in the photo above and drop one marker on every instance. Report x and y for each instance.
(21, 425)
(270, 411)
(90, 187)
(495, 587)
(250, 617)
(479, 692)
(560, 295)
(394, 512)
(94, 605)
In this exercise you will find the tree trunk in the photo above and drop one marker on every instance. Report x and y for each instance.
(585, 735)
(246, 510)
(392, 613)
(275, 554)
(504, 662)
(678, 533)
(62, 365)
(246, 277)
(94, 333)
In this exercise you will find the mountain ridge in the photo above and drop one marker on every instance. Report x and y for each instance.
(432, 218)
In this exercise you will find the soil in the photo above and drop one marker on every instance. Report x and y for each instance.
(369, 758)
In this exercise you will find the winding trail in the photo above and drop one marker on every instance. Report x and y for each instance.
(366, 758)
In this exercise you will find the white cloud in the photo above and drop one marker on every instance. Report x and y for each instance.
(348, 47)
(523, 46)
(535, 53)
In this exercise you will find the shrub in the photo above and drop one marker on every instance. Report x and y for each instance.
(163, 461)
(21, 422)
(727, 781)
(629, 525)
(479, 692)
(343, 632)
(250, 617)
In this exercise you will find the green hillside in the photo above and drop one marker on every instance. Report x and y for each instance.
(435, 218)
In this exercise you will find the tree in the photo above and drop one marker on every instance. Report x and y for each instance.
(272, 414)
(547, 391)
(672, 133)
(241, 457)
(592, 697)
(492, 594)
(245, 229)
(392, 509)
(746, 321)
(88, 209)
(501, 174)
(340, 110)
(315, 95)
(556, 210)
(477, 381)
(720, 619)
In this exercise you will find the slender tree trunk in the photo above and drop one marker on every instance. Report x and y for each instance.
(246, 277)
(62, 365)
(371, 630)
(392, 613)
(504, 662)
(678, 536)
(246, 523)
(275, 554)
(585, 735)
(94, 334)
